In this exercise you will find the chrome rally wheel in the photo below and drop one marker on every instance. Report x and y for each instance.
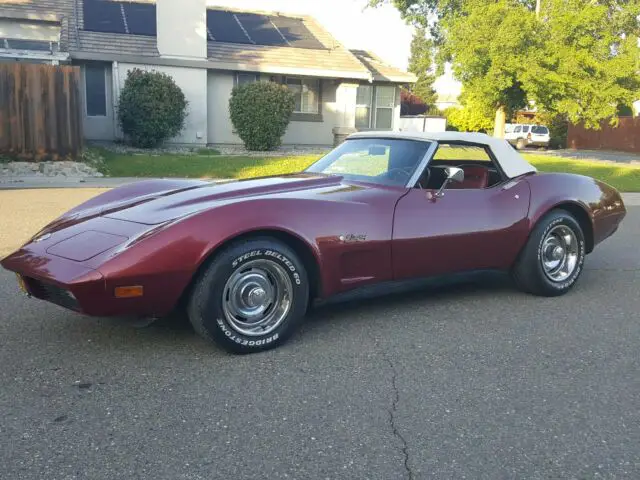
(552, 259)
(257, 298)
(251, 296)
(559, 253)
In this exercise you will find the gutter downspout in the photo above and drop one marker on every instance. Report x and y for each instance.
(115, 95)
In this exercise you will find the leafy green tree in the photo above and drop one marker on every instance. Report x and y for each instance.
(590, 61)
(575, 58)
(472, 116)
(421, 63)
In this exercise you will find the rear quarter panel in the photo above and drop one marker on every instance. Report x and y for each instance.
(602, 203)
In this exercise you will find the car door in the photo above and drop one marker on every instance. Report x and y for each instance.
(465, 229)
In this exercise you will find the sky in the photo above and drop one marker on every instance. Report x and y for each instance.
(380, 30)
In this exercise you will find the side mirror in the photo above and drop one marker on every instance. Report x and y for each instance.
(454, 174)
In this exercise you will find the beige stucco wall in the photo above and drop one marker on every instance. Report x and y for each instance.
(220, 129)
(193, 82)
(99, 128)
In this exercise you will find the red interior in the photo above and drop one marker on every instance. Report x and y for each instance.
(474, 177)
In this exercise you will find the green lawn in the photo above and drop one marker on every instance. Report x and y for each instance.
(624, 177)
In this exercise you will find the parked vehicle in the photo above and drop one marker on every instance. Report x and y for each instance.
(523, 135)
(245, 259)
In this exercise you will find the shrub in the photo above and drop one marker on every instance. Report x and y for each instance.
(152, 108)
(411, 104)
(260, 113)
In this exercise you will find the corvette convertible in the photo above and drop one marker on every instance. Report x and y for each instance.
(245, 259)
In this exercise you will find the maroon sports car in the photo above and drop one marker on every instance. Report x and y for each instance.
(246, 258)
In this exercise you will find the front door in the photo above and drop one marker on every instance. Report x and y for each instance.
(466, 229)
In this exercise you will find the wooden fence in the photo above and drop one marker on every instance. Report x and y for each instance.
(625, 136)
(40, 111)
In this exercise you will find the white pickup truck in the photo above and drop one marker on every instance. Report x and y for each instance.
(523, 135)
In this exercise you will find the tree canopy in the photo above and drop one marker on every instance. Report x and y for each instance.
(576, 58)
(421, 63)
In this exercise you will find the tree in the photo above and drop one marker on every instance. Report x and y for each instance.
(576, 58)
(473, 116)
(151, 108)
(260, 113)
(590, 62)
(421, 63)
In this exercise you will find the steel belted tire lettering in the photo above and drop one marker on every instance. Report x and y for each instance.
(251, 296)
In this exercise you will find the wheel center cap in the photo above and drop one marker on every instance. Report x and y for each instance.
(256, 297)
(558, 253)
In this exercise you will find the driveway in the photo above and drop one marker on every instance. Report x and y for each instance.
(469, 381)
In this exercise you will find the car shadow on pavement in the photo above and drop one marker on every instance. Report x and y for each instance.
(348, 309)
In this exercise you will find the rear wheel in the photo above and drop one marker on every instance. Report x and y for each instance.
(552, 260)
(251, 297)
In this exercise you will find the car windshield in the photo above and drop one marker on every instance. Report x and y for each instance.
(383, 161)
(539, 129)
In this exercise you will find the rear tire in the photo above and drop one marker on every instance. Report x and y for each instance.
(251, 297)
(553, 257)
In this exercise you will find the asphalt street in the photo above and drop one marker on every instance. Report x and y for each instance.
(473, 381)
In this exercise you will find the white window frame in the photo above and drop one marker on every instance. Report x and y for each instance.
(302, 81)
(373, 107)
(256, 77)
(392, 107)
(86, 92)
(369, 105)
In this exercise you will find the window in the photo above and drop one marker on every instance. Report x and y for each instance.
(383, 161)
(525, 129)
(385, 103)
(307, 94)
(518, 129)
(96, 90)
(539, 130)
(242, 78)
(378, 114)
(461, 152)
(363, 106)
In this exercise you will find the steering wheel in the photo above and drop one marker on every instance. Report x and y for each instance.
(406, 173)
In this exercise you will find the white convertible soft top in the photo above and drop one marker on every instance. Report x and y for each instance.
(511, 162)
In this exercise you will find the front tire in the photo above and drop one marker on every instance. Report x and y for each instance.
(520, 144)
(251, 297)
(553, 257)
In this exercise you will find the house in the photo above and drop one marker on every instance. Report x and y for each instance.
(207, 51)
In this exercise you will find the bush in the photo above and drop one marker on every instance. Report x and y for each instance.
(152, 108)
(469, 118)
(260, 113)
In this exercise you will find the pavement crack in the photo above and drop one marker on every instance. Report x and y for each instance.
(393, 410)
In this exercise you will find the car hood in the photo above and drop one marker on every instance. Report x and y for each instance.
(158, 201)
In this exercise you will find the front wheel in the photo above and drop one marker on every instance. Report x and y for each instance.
(553, 257)
(251, 297)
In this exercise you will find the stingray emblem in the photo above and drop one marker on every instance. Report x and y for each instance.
(351, 238)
